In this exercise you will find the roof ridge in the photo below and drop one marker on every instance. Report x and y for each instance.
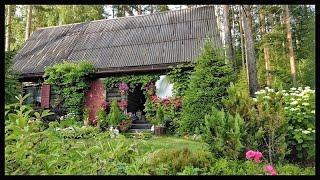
(123, 17)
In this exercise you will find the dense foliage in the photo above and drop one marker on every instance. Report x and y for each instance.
(70, 81)
(207, 86)
(224, 133)
(132, 80)
(12, 85)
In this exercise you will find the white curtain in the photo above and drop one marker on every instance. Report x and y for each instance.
(164, 87)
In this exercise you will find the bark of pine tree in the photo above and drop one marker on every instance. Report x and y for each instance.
(242, 42)
(290, 47)
(139, 9)
(227, 35)
(265, 47)
(28, 19)
(251, 55)
(8, 28)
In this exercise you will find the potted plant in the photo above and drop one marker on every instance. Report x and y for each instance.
(159, 128)
(125, 122)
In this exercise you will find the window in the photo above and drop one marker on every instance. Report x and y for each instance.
(35, 98)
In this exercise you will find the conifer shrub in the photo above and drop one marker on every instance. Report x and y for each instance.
(208, 85)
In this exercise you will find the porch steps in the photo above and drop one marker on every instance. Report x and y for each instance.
(138, 130)
(140, 126)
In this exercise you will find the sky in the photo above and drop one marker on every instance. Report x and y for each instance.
(108, 9)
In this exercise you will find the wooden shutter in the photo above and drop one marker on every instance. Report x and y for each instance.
(45, 96)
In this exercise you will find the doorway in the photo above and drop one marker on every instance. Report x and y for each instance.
(136, 100)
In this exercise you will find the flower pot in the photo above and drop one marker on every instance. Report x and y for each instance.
(158, 131)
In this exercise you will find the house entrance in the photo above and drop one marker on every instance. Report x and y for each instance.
(136, 100)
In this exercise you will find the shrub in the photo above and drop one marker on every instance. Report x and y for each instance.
(115, 114)
(101, 117)
(300, 111)
(12, 86)
(208, 84)
(70, 81)
(224, 133)
(174, 161)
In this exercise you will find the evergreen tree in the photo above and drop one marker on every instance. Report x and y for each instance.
(208, 85)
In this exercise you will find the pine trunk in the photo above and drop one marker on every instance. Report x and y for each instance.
(251, 56)
(28, 24)
(290, 47)
(139, 10)
(8, 28)
(242, 41)
(227, 35)
(265, 47)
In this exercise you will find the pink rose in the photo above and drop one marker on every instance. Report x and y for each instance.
(258, 156)
(250, 154)
(268, 168)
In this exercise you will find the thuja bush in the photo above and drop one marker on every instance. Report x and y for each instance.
(70, 81)
(208, 84)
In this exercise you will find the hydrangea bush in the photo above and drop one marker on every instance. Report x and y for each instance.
(299, 111)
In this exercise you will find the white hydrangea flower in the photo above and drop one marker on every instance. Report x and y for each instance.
(307, 87)
(313, 131)
(292, 109)
(271, 90)
(286, 94)
(286, 108)
(292, 99)
(300, 88)
(255, 99)
(294, 102)
(283, 91)
(266, 88)
(306, 132)
(293, 89)
(313, 112)
(257, 93)
(305, 104)
(299, 99)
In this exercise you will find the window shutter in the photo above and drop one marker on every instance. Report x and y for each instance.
(45, 96)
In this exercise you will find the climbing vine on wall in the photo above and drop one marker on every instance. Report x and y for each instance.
(180, 76)
(133, 80)
(70, 81)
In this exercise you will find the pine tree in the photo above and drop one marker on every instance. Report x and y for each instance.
(208, 84)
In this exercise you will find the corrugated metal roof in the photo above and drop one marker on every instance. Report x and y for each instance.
(160, 38)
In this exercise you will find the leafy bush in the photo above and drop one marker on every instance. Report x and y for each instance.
(208, 84)
(174, 161)
(77, 133)
(70, 81)
(300, 112)
(12, 85)
(224, 133)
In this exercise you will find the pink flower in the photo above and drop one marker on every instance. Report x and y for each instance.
(268, 168)
(274, 173)
(258, 156)
(250, 154)
(123, 87)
